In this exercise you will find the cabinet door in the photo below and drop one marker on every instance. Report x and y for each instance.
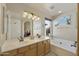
(10, 53)
(47, 46)
(23, 49)
(40, 48)
(32, 50)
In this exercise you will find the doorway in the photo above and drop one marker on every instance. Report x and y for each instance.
(47, 28)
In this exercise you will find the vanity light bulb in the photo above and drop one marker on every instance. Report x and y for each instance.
(25, 14)
(29, 16)
(34, 17)
(38, 18)
(59, 11)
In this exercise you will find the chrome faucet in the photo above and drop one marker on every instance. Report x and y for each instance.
(20, 39)
(75, 44)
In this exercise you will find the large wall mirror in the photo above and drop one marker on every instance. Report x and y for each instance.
(37, 28)
(17, 26)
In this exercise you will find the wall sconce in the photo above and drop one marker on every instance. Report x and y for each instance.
(30, 16)
(34, 17)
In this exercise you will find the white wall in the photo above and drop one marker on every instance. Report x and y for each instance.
(15, 28)
(2, 34)
(67, 32)
(14, 25)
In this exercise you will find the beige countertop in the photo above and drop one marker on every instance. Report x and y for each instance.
(14, 44)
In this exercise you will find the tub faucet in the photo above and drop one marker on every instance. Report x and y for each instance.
(75, 44)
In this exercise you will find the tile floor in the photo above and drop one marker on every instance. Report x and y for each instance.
(51, 54)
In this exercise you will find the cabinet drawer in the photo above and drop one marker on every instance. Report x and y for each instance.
(23, 49)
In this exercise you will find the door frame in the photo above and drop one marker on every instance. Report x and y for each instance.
(77, 29)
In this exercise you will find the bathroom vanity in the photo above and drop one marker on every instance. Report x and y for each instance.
(32, 47)
(15, 27)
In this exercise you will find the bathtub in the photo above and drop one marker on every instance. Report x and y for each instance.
(64, 44)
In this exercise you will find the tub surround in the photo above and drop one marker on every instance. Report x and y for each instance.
(61, 52)
(63, 47)
(41, 46)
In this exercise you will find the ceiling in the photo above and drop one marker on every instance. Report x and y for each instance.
(42, 9)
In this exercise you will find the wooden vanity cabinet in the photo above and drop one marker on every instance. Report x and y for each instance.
(22, 50)
(46, 46)
(32, 51)
(40, 48)
(36, 49)
(10, 53)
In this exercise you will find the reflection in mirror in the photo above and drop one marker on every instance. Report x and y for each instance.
(27, 30)
(37, 27)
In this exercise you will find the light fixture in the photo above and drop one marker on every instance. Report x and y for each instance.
(25, 14)
(38, 18)
(34, 17)
(30, 16)
(59, 11)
